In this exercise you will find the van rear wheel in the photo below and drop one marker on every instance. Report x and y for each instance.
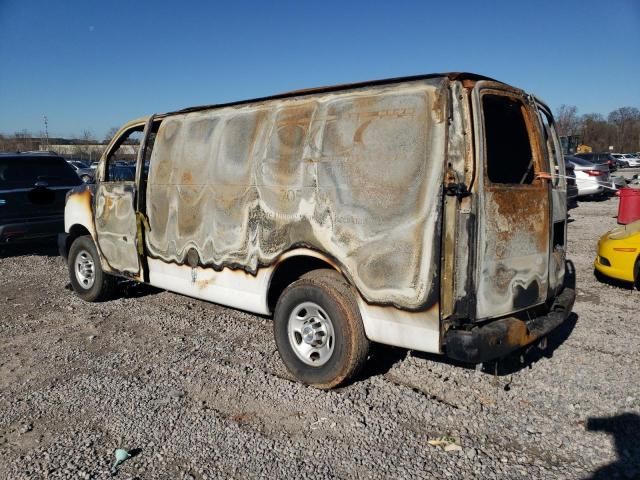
(318, 330)
(88, 279)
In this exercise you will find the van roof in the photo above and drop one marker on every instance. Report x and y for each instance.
(333, 88)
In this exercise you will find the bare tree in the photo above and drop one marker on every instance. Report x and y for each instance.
(87, 137)
(23, 140)
(110, 134)
(597, 132)
(627, 124)
(567, 120)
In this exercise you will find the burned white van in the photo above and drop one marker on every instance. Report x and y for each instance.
(421, 212)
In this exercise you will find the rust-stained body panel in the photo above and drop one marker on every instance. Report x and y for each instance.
(513, 223)
(514, 250)
(356, 174)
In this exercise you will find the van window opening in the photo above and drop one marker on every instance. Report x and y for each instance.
(552, 149)
(121, 163)
(508, 149)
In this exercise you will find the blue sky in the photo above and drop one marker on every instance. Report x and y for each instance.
(96, 64)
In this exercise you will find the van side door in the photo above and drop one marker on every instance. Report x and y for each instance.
(513, 205)
(116, 201)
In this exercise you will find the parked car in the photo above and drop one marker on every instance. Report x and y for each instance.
(572, 187)
(604, 157)
(619, 254)
(77, 164)
(325, 208)
(83, 171)
(592, 179)
(627, 159)
(33, 187)
(122, 173)
(632, 159)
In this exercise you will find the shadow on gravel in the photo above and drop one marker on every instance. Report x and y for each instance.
(45, 247)
(130, 289)
(382, 358)
(521, 359)
(597, 198)
(518, 360)
(625, 429)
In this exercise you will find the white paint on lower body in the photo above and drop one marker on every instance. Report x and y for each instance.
(241, 290)
(400, 328)
(233, 288)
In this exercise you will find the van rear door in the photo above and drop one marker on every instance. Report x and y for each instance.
(513, 232)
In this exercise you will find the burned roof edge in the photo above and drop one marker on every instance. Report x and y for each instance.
(335, 88)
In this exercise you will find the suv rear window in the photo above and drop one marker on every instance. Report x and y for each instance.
(24, 172)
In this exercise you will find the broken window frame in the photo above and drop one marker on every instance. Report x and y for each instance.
(530, 124)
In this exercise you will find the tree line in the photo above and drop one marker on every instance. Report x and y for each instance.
(620, 129)
(24, 141)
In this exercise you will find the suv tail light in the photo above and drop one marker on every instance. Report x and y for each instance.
(594, 173)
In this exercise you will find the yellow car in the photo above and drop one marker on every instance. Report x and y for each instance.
(619, 253)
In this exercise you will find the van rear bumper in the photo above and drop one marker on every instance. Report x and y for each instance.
(501, 337)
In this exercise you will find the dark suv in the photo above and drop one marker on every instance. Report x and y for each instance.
(600, 158)
(33, 188)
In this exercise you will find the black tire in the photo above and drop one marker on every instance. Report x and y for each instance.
(103, 286)
(329, 291)
(636, 274)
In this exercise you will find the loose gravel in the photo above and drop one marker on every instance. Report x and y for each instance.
(196, 391)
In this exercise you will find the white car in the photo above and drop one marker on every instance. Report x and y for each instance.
(627, 159)
(592, 179)
(632, 159)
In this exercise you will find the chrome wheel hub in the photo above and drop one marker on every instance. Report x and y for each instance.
(85, 269)
(311, 334)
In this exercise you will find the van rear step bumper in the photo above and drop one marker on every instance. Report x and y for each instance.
(501, 337)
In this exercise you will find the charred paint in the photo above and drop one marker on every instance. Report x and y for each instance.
(116, 227)
(352, 173)
(353, 176)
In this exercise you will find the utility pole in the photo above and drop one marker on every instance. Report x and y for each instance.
(46, 133)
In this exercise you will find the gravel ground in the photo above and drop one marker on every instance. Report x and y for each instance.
(198, 391)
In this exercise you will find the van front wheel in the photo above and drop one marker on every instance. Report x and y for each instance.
(318, 330)
(88, 279)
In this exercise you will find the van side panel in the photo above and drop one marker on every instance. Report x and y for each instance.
(355, 174)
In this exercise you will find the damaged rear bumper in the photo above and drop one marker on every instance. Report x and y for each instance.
(501, 337)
